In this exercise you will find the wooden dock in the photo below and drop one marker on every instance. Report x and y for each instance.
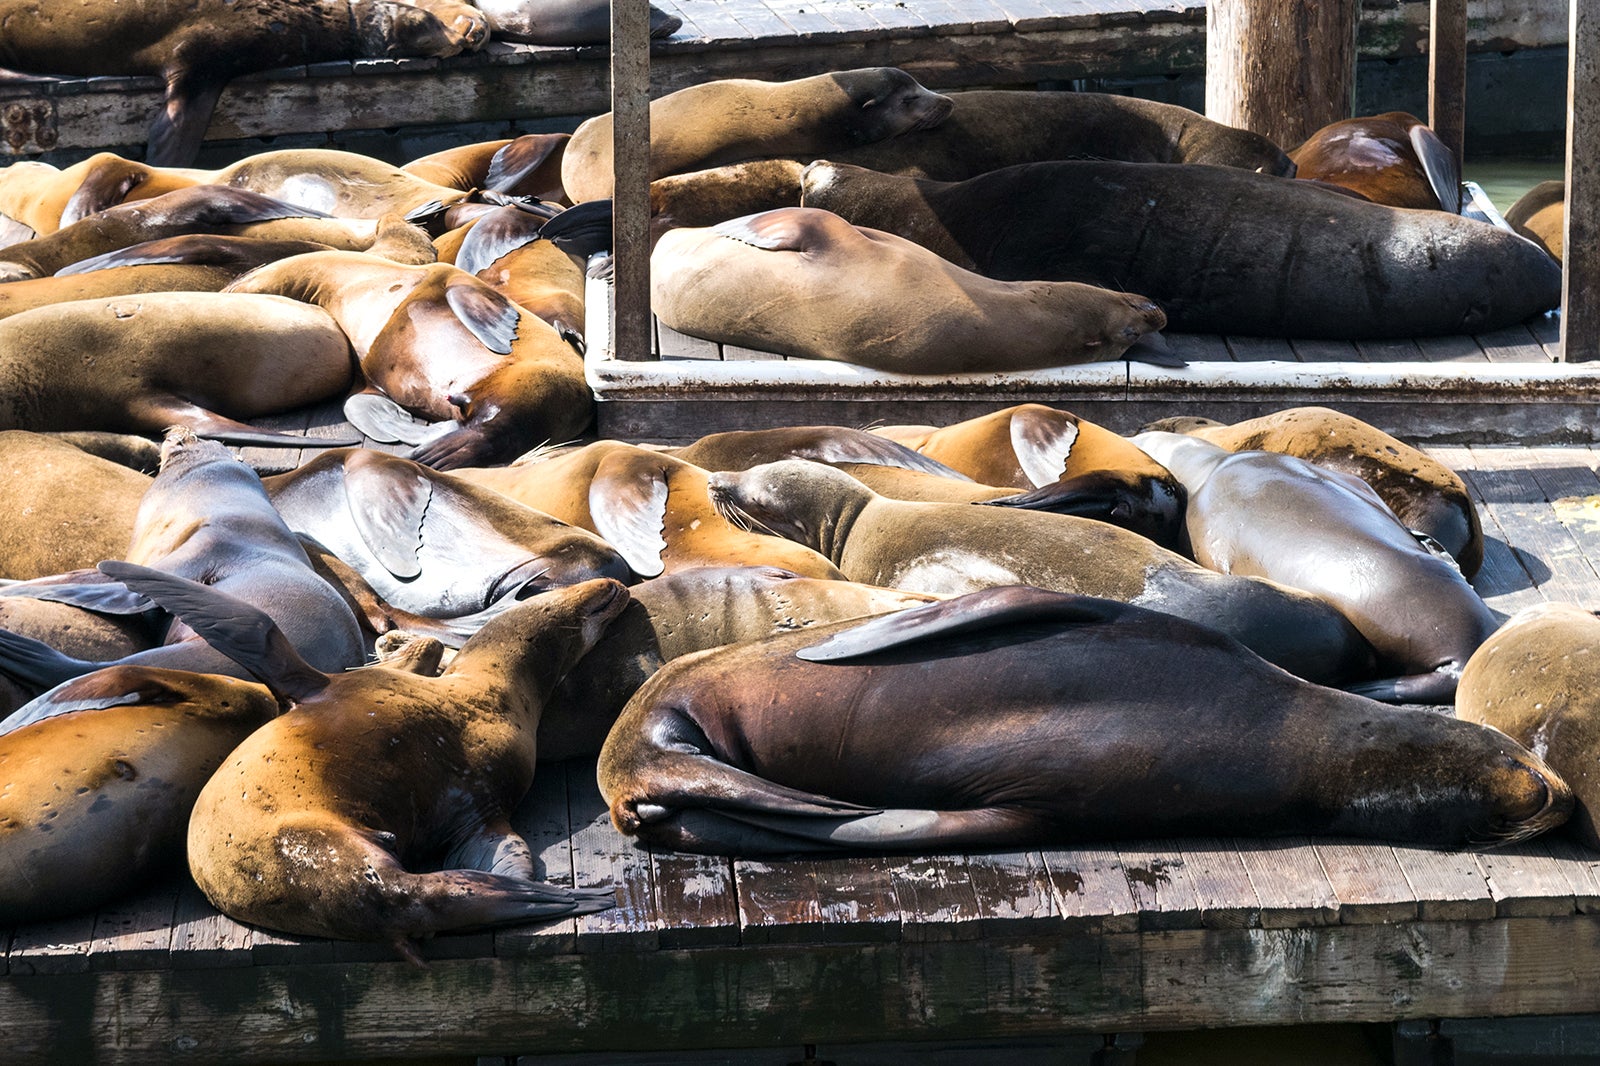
(1013, 947)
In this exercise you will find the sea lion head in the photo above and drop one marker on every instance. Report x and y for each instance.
(427, 28)
(889, 102)
(795, 499)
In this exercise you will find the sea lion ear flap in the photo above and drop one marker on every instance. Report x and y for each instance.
(628, 503)
(107, 185)
(488, 316)
(983, 610)
(388, 497)
(1439, 164)
(1042, 439)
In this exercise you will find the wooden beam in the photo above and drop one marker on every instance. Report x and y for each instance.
(1447, 72)
(1282, 68)
(1580, 296)
(630, 239)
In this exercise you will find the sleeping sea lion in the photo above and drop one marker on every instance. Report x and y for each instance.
(529, 165)
(563, 21)
(44, 198)
(44, 530)
(1540, 215)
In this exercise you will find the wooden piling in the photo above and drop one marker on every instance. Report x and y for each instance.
(630, 109)
(1447, 73)
(1580, 302)
(1283, 68)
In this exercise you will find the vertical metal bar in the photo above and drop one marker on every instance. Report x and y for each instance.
(630, 113)
(1447, 73)
(1580, 301)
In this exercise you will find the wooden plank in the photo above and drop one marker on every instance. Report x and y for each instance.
(1292, 888)
(277, 460)
(1447, 73)
(1391, 351)
(1526, 882)
(1580, 296)
(1581, 867)
(778, 902)
(959, 16)
(1259, 349)
(937, 898)
(202, 936)
(674, 345)
(1013, 893)
(268, 948)
(856, 899)
(1199, 347)
(732, 352)
(1091, 891)
(1503, 580)
(694, 899)
(1546, 329)
(758, 18)
(1227, 898)
(804, 20)
(54, 947)
(1547, 549)
(602, 856)
(1368, 881)
(1564, 476)
(135, 933)
(1161, 886)
(1317, 351)
(1449, 885)
(1513, 344)
(1456, 349)
(630, 149)
(541, 818)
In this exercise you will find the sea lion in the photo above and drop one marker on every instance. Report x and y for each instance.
(651, 507)
(95, 802)
(437, 345)
(1425, 494)
(685, 612)
(742, 449)
(45, 530)
(1067, 465)
(734, 119)
(504, 248)
(74, 631)
(198, 46)
(205, 515)
(1017, 717)
(142, 363)
(700, 198)
(529, 165)
(1329, 534)
(1297, 259)
(563, 21)
(430, 544)
(1392, 158)
(988, 129)
(1535, 680)
(341, 184)
(1540, 215)
(44, 198)
(955, 548)
(806, 283)
(310, 825)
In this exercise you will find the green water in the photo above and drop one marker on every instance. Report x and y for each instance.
(1505, 180)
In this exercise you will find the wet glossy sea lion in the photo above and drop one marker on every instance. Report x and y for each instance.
(1065, 464)
(1425, 494)
(1018, 718)
(198, 46)
(1220, 250)
(431, 544)
(141, 363)
(314, 824)
(95, 803)
(506, 249)
(563, 21)
(1541, 216)
(1329, 534)
(1538, 681)
(204, 516)
(1393, 159)
(45, 529)
(651, 507)
(342, 184)
(989, 129)
(735, 119)
(445, 356)
(956, 548)
(806, 283)
(42, 197)
(684, 612)
(529, 165)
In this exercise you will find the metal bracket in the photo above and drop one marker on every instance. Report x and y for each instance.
(28, 125)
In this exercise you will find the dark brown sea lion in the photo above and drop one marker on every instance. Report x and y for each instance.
(955, 548)
(806, 283)
(529, 165)
(198, 46)
(1541, 216)
(1018, 718)
(651, 507)
(1329, 534)
(563, 21)
(1220, 250)
(313, 824)
(1536, 680)
(684, 612)
(1427, 496)
(1393, 159)
(45, 530)
(989, 129)
(734, 119)
(430, 544)
(95, 802)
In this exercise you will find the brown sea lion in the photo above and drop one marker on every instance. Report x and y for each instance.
(1298, 260)
(45, 198)
(1537, 680)
(684, 612)
(1392, 158)
(806, 283)
(700, 198)
(313, 825)
(198, 46)
(142, 363)
(529, 165)
(734, 119)
(1541, 216)
(437, 345)
(430, 544)
(45, 530)
(1329, 534)
(989, 129)
(651, 507)
(1427, 496)
(955, 548)
(1017, 717)
(563, 21)
(742, 449)
(341, 184)
(94, 803)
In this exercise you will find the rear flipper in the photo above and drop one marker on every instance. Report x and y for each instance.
(383, 420)
(37, 665)
(1436, 687)
(719, 832)
(89, 589)
(158, 412)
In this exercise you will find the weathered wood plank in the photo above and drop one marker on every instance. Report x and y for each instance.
(778, 902)
(856, 898)
(542, 820)
(1513, 344)
(135, 933)
(602, 856)
(277, 460)
(1503, 580)
(268, 948)
(1317, 351)
(732, 352)
(1547, 548)
(1222, 885)
(1451, 350)
(1091, 891)
(1526, 881)
(1580, 297)
(59, 946)
(674, 345)
(1449, 885)
(1581, 867)
(1013, 893)
(1368, 880)
(937, 898)
(1160, 884)
(694, 899)
(1199, 347)
(1395, 351)
(202, 936)
(1259, 349)
(630, 197)
(1292, 888)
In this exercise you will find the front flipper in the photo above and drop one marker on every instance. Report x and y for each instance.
(179, 125)
(628, 505)
(388, 499)
(583, 230)
(154, 413)
(1042, 439)
(514, 164)
(89, 589)
(37, 664)
(1439, 164)
(984, 610)
(1436, 687)
(107, 185)
(502, 230)
(385, 421)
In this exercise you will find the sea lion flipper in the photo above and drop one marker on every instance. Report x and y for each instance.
(1092, 495)
(158, 411)
(14, 232)
(502, 230)
(522, 157)
(1042, 439)
(380, 418)
(179, 124)
(387, 499)
(1438, 686)
(863, 447)
(1152, 348)
(488, 316)
(583, 230)
(241, 632)
(1439, 164)
(37, 663)
(1011, 604)
(107, 185)
(88, 589)
(771, 231)
(628, 503)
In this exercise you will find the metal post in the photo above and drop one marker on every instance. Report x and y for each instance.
(630, 153)
(1580, 302)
